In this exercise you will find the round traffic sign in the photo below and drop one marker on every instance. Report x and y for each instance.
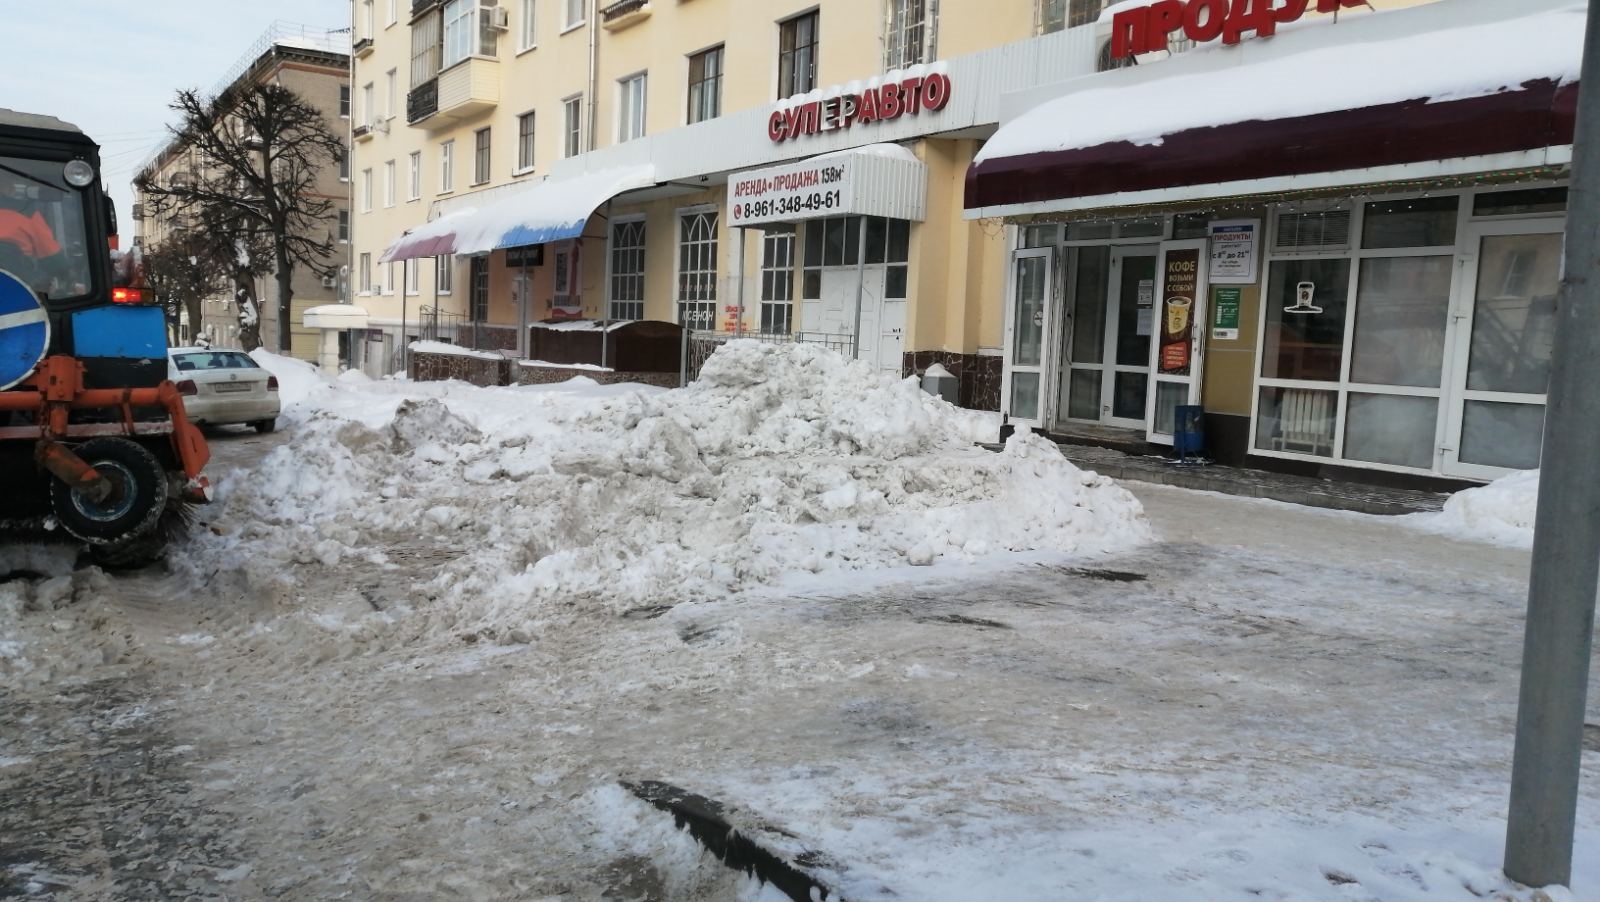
(24, 330)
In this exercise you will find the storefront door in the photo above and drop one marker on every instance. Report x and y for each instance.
(1027, 324)
(1505, 320)
(1106, 370)
(1175, 357)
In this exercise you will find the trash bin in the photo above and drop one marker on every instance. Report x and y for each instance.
(1189, 430)
(937, 380)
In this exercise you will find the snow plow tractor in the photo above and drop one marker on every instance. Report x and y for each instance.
(94, 442)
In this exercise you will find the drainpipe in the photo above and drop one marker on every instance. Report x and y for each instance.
(594, 70)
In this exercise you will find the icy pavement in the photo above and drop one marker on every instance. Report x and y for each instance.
(1263, 702)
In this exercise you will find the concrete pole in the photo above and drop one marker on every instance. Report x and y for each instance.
(1566, 543)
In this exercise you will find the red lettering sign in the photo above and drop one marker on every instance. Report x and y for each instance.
(911, 97)
(1146, 29)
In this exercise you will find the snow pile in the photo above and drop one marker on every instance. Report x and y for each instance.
(780, 460)
(298, 382)
(1501, 512)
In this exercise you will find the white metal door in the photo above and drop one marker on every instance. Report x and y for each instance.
(1027, 324)
(1176, 349)
(1130, 318)
(867, 325)
(1504, 320)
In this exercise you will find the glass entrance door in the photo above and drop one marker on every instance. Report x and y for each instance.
(1027, 324)
(1106, 367)
(1505, 317)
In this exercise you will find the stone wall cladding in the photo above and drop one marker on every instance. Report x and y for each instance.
(549, 375)
(978, 374)
(425, 367)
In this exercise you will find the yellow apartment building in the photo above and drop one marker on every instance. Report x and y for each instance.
(314, 63)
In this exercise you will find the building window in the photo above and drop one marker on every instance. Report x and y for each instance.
(574, 16)
(444, 273)
(909, 36)
(573, 135)
(413, 283)
(1050, 16)
(393, 13)
(697, 269)
(366, 273)
(343, 158)
(427, 47)
(797, 55)
(478, 289)
(466, 33)
(366, 190)
(368, 22)
(705, 85)
(414, 185)
(1085, 12)
(447, 177)
(848, 241)
(527, 30)
(344, 226)
(480, 156)
(627, 270)
(391, 84)
(630, 107)
(369, 111)
(344, 101)
(388, 183)
(777, 280)
(525, 142)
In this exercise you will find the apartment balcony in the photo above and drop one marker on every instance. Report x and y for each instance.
(362, 48)
(418, 7)
(624, 13)
(465, 89)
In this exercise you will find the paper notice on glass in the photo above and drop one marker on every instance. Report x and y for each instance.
(1147, 320)
(1233, 251)
(1147, 293)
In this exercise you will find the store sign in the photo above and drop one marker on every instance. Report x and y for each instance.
(526, 255)
(885, 103)
(804, 190)
(1146, 29)
(1233, 251)
(1225, 323)
(1179, 289)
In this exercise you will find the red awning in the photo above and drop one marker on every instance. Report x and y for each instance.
(1480, 82)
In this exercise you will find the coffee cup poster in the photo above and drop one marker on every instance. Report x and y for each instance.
(1179, 298)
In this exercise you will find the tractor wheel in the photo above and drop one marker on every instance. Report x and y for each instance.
(138, 493)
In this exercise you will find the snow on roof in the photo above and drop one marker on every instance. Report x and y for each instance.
(336, 310)
(887, 151)
(1361, 63)
(548, 210)
(580, 325)
(440, 347)
(327, 42)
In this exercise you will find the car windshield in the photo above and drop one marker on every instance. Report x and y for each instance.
(43, 239)
(213, 360)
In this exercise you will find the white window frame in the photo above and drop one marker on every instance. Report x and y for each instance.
(568, 22)
(528, 26)
(447, 161)
(532, 157)
(366, 190)
(388, 184)
(690, 107)
(462, 29)
(365, 267)
(633, 96)
(343, 227)
(900, 18)
(613, 247)
(572, 126)
(679, 273)
(369, 103)
(413, 282)
(393, 11)
(415, 184)
(369, 19)
(444, 274)
(391, 81)
(482, 155)
(344, 101)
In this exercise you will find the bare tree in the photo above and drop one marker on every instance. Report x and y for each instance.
(183, 271)
(260, 149)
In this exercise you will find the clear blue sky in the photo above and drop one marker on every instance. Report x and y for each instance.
(111, 67)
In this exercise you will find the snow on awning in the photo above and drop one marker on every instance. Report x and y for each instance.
(1472, 80)
(551, 210)
(335, 316)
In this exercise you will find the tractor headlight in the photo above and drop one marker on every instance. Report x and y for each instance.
(79, 174)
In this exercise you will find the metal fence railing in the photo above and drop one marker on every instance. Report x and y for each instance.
(455, 328)
(699, 345)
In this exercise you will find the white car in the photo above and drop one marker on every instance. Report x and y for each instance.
(222, 386)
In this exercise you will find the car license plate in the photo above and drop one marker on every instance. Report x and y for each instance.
(232, 386)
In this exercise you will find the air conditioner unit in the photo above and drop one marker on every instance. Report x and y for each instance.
(382, 125)
(329, 281)
(499, 18)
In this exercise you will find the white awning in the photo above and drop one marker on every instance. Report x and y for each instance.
(545, 211)
(871, 180)
(335, 316)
